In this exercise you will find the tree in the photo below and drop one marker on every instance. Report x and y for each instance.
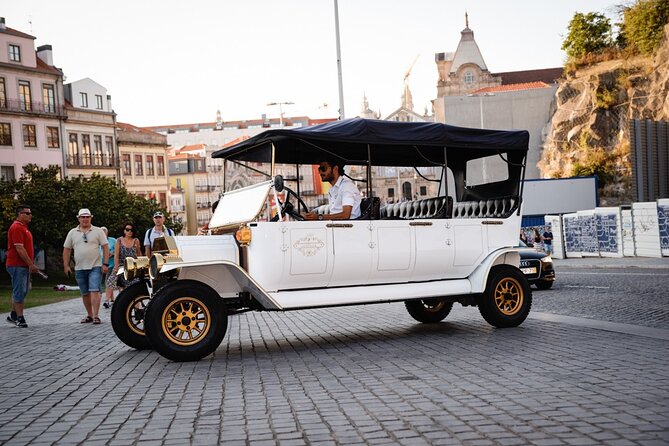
(643, 25)
(588, 33)
(54, 203)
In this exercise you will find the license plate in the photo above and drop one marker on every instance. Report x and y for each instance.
(529, 270)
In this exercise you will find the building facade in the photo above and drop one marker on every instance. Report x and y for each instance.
(90, 131)
(31, 104)
(469, 95)
(143, 156)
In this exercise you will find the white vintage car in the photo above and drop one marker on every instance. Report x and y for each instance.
(457, 246)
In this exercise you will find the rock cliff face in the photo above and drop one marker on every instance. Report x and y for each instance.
(589, 131)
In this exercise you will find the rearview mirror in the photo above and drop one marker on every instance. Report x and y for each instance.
(278, 183)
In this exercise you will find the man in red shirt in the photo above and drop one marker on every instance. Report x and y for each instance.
(20, 255)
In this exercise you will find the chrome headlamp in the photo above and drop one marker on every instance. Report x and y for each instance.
(158, 260)
(133, 268)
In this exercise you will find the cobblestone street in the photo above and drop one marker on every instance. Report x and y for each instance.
(352, 375)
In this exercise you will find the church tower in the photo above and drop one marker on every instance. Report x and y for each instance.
(365, 111)
(465, 70)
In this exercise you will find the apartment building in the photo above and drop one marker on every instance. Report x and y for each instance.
(143, 156)
(188, 175)
(90, 131)
(31, 104)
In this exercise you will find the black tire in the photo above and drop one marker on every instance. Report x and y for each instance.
(507, 298)
(428, 311)
(186, 321)
(127, 316)
(544, 285)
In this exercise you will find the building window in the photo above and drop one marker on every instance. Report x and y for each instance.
(48, 98)
(29, 136)
(139, 168)
(163, 197)
(5, 134)
(423, 190)
(7, 173)
(391, 192)
(109, 143)
(52, 138)
(84, 100)
(86, 149)
(127, 169)
(97, 150)
(14, 53)
(98, 102)
(149, 166)
(25, 100)
(160, 161)
(469, 77)
(73, 149)
(3, 93)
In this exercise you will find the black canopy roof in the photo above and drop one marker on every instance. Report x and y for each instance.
(386, 143)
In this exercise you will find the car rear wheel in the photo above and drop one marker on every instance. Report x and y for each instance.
(186, 321)
(428, 311)
(127, 316)
(507, 298)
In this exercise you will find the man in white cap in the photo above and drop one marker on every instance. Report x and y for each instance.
(159, 230)
(86, 241)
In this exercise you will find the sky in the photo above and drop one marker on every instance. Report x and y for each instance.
(177, 62)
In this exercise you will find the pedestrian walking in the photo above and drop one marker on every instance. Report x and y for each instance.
(548, 240)
(158, 230)
(110, 278)
(86, 240)
(20, 262)
(537, 238)
(126, 246)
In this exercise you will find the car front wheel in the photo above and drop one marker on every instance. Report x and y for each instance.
(507, 298)
(127, 316)
(428, 311)
(544, 285)
(186, 321)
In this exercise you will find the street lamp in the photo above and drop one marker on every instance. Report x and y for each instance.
(281, 110)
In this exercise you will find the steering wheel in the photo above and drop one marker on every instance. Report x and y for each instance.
(287, 207)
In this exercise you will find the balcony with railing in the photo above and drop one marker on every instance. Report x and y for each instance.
(93, 161)
(32, 108)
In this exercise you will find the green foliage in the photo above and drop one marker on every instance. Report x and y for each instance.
(643, 25)
(588, 33)
(55, 202)
(605, 98)
(597, 161)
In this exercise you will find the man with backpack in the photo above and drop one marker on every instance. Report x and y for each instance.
(158, 230)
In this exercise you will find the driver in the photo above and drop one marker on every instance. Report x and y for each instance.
(343, 196)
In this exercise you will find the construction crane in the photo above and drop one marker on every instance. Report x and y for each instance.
(408, 72)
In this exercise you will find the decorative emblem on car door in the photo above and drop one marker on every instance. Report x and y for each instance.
(309, 245)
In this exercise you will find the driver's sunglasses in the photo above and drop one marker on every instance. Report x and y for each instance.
(85, 238)
(323, 168)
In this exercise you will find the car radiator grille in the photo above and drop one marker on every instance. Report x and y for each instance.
(531, 263)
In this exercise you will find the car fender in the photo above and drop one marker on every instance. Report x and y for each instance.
(504, 256)
(225, 277)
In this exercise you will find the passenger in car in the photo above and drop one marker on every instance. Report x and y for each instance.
(343, 196)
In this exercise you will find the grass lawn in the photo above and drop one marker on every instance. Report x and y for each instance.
(42, 293)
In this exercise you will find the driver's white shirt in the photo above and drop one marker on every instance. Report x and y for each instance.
(344, 193)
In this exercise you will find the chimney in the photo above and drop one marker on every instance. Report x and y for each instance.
(45, 53)
(2, 24)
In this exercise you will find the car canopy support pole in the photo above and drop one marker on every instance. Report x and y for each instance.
(369, 171)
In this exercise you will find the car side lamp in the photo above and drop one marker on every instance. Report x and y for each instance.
(243, 236)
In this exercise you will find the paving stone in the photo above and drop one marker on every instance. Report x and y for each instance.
(351, 375)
